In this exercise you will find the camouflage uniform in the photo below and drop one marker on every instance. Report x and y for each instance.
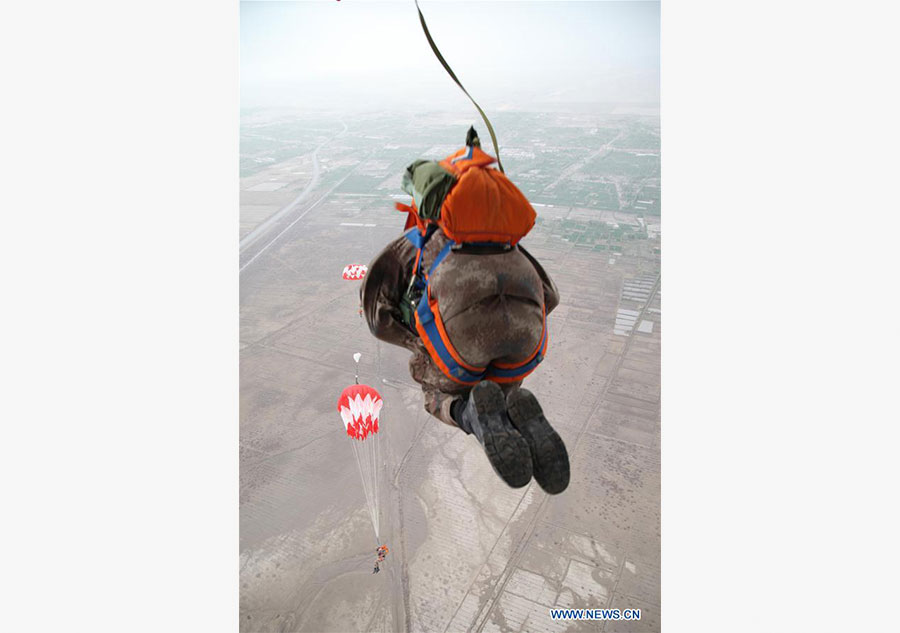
(490, 305)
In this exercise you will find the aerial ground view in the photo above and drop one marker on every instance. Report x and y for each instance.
(466, 551)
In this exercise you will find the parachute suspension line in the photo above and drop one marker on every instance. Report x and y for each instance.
(360, 416)
(375, 471)
(366, 482)
(446, 66)
(373, 448)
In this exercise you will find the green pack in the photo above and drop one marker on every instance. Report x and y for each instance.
(428, 183)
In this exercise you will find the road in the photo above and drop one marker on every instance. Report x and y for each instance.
(270, 222)
(576, 166)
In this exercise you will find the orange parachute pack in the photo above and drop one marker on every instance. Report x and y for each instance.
(482, 204)
(472, 204)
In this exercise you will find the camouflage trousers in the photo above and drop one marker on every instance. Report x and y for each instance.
(438, 389)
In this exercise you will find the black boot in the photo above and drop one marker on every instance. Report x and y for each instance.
(484, 416)
(548, 452)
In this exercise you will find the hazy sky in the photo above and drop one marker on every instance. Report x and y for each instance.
(507, 54)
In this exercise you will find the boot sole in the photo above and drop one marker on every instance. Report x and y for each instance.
(548, 451)
(506, 449)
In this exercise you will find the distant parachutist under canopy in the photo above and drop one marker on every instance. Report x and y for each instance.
(360, 409)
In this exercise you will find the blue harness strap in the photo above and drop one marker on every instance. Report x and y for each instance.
(440, 257)
(439, 348)
(425, 318)
(418, 240)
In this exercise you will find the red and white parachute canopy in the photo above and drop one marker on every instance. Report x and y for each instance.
(359, 406)
(355, 271)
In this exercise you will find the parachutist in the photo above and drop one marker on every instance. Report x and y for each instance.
(382, 551)
(461, 293)
(360, 410)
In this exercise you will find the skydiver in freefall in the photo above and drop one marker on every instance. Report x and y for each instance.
(471, 305)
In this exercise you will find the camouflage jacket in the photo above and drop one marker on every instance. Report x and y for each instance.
(477, 294)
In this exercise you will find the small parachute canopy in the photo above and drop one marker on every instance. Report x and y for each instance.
(353, 272)
(360, 406)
